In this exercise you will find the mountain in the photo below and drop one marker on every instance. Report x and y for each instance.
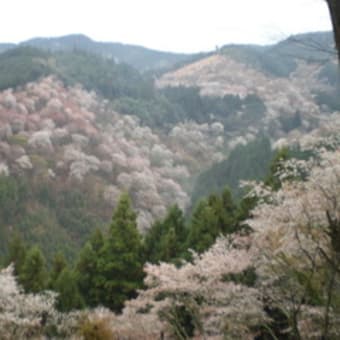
(313, 47)
(288, 86)
(278, 89)
(281, 59)
(139, 57)
(276, 59)
(77, 129)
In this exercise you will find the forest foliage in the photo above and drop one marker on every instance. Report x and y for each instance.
(272, 270)
(261, 261)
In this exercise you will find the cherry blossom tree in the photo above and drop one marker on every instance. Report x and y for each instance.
(206, 291)
(23, 315)
(296, 231)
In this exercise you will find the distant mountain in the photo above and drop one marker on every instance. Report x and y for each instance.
(276, 59)
(139, 57)
(281, 59)
(314, 47)
(237, 85)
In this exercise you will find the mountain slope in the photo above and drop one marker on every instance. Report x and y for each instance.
(289, 93)
(66, 156)
(292, 87)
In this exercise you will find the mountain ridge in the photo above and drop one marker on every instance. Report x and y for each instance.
(140, 57)
(145, 59)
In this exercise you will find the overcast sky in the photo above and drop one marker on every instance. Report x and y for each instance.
(171, 25)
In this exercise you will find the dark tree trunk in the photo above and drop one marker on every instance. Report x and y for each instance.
(334, 10)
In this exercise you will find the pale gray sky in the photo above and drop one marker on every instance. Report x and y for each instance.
(171, 25)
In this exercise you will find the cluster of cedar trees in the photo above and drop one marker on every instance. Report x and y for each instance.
(109, 267)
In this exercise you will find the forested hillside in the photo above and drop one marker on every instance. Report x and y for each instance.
(180, 182)
(72, 119)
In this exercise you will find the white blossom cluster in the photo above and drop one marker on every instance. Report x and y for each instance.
(4, 169)
(41, 139)
(203, 143)
(29, 316)
(225, 304)
(326, 135)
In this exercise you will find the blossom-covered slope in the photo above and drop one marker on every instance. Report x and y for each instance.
(291, 103)
(69, 135)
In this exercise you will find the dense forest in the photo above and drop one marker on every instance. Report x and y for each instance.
(194, 201)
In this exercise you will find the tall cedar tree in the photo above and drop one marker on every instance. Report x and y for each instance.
(58, 265)
(66, 286)
(165, 241)
(33, 275)
(16, 253)
(204, 227)
(88, 276)
(225, 210)
(212, 217)
(64, 282)
(120, 264)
